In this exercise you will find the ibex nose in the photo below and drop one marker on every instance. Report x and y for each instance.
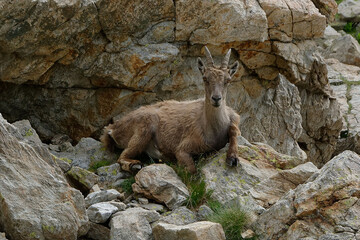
(216, 98)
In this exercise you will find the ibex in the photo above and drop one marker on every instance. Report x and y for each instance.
(172, 129)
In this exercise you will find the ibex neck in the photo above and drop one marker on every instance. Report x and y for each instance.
(215, 116)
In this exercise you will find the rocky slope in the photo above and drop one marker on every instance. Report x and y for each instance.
(283, 197)
(72, 69)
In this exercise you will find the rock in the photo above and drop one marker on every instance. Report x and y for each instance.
(81, 179)
(349, 11)
(63, 163)
(101, 212)
(143, 200)
(329, 199)
(153, 206)
(259, 165)
(290, 19)
(95, 188)
(195, 231)
(346, 49)
(110, 176)
(135, 18)
(327, 8)
(270, 190)
(179, 216)
(205, 22)
(139, 68)
(344, 80)
(203, 212)
(29, 134)
(133, 224)
(160, 182)
(87, 153)
(56, 211)
(262, 123)
(102, 196)
(248, 234)
(2, 236)
(120, 205)
(98, 232)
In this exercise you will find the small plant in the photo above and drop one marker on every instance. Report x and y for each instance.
(196, 186)
(126, 185)
(358, 37)
(233, 220)
(338, 1)
(95, 165)
(349, 28)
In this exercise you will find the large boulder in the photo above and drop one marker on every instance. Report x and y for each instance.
(160, 182)
(35, 200)
(325, 207)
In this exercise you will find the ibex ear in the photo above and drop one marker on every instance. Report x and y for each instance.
(233, 68)
(201, 65)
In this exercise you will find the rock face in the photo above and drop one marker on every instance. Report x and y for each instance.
(194, 231)
(84, 63)
(36, 202)
(344, 80)
(261, 179)
(325, 207)
(160, 182)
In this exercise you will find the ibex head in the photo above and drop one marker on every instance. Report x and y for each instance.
(216, 78)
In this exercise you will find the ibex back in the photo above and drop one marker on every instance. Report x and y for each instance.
(173, 129)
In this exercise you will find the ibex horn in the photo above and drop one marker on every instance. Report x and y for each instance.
(209, 59)
(225, 62)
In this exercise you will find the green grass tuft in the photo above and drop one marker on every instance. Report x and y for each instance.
(196, 186)
(94, 166)
(233, 220)
(126, 185)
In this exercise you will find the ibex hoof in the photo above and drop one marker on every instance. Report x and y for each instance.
(232, 161)
(135, 168)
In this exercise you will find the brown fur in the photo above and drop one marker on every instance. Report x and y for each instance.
(173, 129)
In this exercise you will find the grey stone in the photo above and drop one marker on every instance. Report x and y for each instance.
(349, 11)
(101, 196)
(120, 205)
(81, 179)
(153, 206)
(179, 216)
(55, 211)
(133, 224)
(160, 182)
(346, 49)
(111, 176)
(194, 231)
(204, 212)
(101, 212)
(87, 153)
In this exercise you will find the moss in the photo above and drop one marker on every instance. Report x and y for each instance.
(29, 133)
(32, 235)
(95, 165)
(47, 228)
(66, 160)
